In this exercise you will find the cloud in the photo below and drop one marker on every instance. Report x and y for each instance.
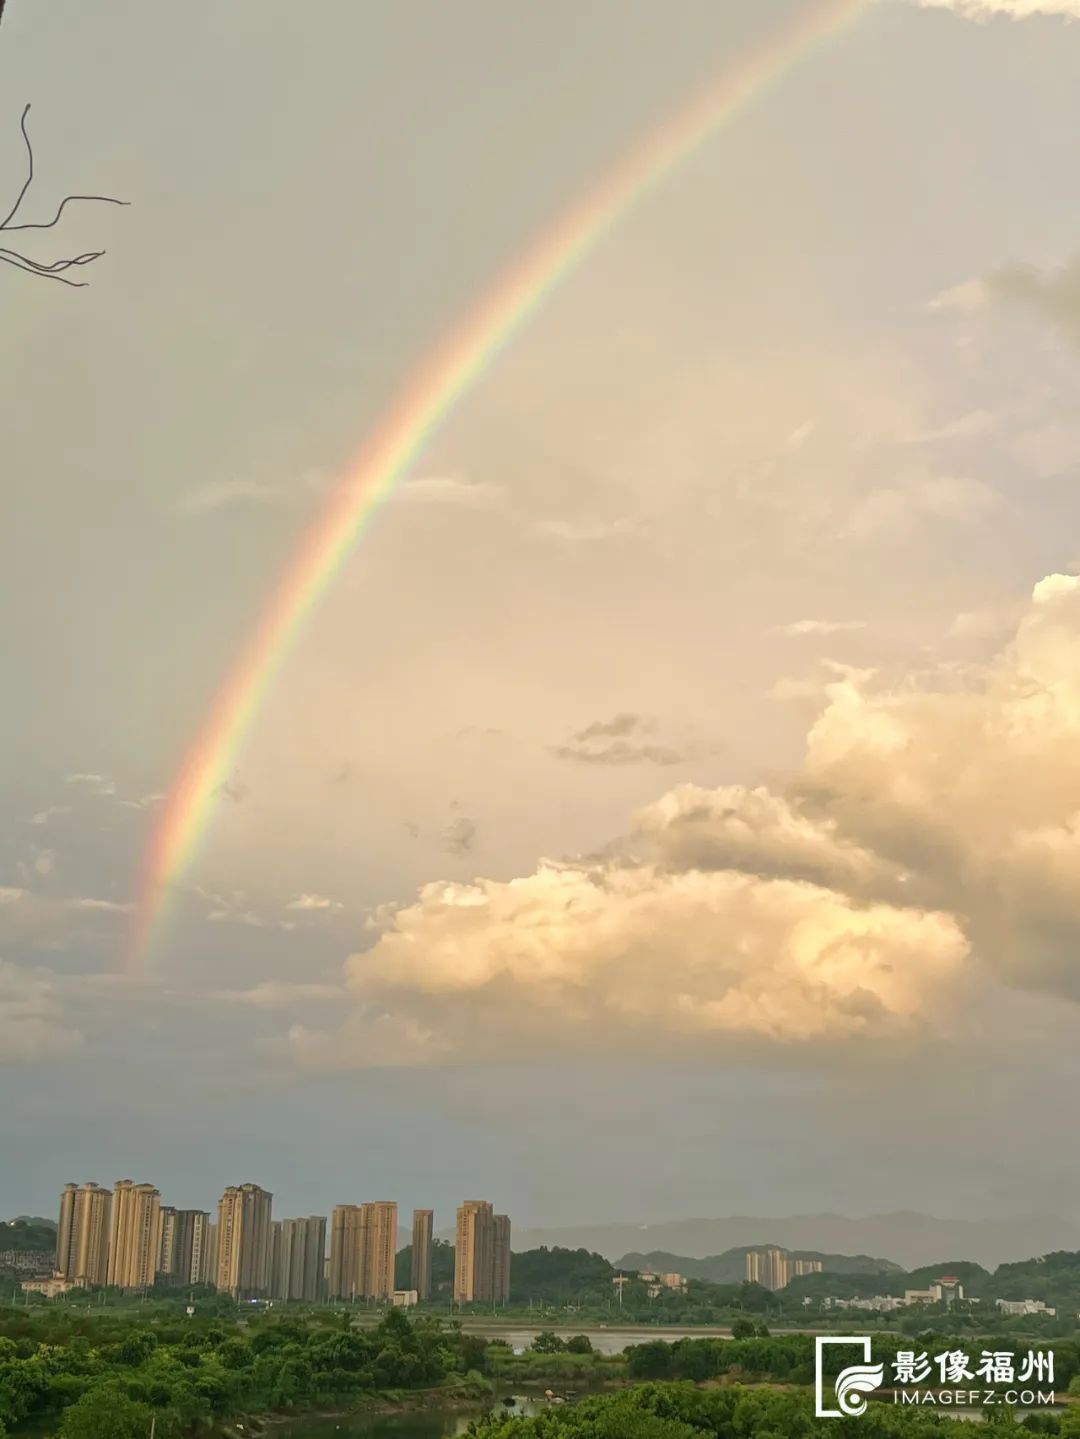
(584, 531)
(226, 494)
(1054, 295)
(43, 816)
(277, 994)
(439, 490)
(618, 741)
(459, 836)
(146, 801)
(313, 903)
(248, 918)
(103, 906)
(1013, 9)
(799, 628)
(898, 510)
(926, 850)
(590, 957)
(95, 783)
(31, 1026)
(231, 789)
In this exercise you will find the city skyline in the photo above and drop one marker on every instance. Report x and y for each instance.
(128, 1238)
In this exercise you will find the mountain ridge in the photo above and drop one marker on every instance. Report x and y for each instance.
(907, 1238)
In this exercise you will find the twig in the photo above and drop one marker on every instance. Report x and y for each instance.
(24, 262)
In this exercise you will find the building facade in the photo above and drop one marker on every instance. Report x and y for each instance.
(176, 1264)
(244, 1244)
(423, 1230)
(82, 1237)
(134, 1235)
(363, 1250)
(771, 1268)
(482, 1254)
(298, 1250)
(344, 1278)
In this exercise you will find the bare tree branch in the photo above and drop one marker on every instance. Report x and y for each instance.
(24, 262)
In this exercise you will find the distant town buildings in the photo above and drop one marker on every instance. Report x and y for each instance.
(775, 1268)
(128, 1238)
(1024, 1306)
(423, 1228)
(945, 1291)
(482, 1254)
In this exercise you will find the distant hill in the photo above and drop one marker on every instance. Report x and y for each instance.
(28, 1234)
(730, 1267)
(909, 1239)
(34, 1219)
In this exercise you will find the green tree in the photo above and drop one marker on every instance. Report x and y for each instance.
(106, 1413)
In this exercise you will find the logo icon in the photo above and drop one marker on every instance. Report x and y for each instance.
(852, 1384)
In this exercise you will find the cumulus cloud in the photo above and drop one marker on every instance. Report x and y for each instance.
(618, 741)
(927, 846)
(1013, 9)
(588, 956)
(31, 1025)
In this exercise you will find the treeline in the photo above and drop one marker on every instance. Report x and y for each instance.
(28, 1234)
(679, 1411)
(789, 1358)
(107, 1377)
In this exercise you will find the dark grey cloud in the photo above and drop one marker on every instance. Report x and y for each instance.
(1052, 294)
(459, 836)
(618, 741)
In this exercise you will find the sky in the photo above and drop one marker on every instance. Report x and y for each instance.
(673, 807)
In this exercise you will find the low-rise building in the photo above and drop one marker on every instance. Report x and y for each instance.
(1014, 1307)
(28, 1261)
(56, 1284)
(404, 1298)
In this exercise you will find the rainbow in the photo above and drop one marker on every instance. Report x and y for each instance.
(440, 382)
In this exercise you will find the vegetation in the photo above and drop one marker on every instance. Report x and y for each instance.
(102, 1375)
(35, 1234)
(681, 1411)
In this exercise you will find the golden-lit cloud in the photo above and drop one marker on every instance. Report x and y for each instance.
(929, 842)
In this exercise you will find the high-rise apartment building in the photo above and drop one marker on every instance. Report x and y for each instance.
(134, 1235)
(500, 1278)
(423, 1225)
(203, 1253)
(298, 1248)
(771, 1268)
(345, 1276)
(207, 1268)
(179, 1228)
(82, 1235)
(363, 1250)
(244, 1251)
(806, 1266)
(379, 1223)
(482, 1254)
